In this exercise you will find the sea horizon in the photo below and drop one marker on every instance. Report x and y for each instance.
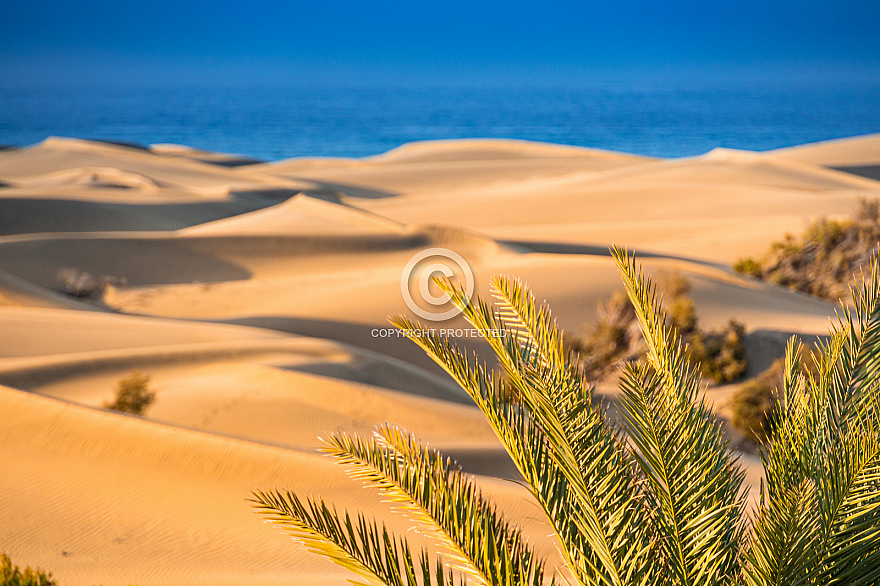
(284, 119)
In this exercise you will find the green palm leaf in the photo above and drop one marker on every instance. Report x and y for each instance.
(372, 553)
(826, 436)
(524, 441)
(695, 483)
(601, 527)
(437, 494)
(662, 504)
(849, 497)
(784, 549)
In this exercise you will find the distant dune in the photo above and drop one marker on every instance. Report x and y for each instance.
(256, 296)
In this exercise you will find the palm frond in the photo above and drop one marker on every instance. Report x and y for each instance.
(441, 497)
(695, 483)
(359, 545)
(558, 439)
(854, 380)
(523, 440)
(784, 548)
(663, 503)
(826, 436)
(787, 459)
(530, 325)
(849, 510)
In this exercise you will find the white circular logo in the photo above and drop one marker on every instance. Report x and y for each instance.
(417, 274)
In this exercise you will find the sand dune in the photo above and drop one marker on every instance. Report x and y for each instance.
(104, 497)
(186, 152)
(859, 155)
(725, 205)
(59, 154)
(64, 185)
(858, 150)
(106, 177)
(440, 166)
(300, 215)
(252, 293)
(441, 151)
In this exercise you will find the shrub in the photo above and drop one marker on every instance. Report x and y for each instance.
(821, 262)
(748, 266)
(681, 314)
(12, 575)
(78, 283)
(133, 395)
(868, 211)
(673, 284)
(608, 340)
(721, 354)
(614, 337)
(753, 405)
(82, 284)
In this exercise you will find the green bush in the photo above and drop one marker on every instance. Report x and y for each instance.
(674, 284)
(721, 354)
(133, 395)
(612, 339)
(822, 261)
(753, 405)
(12, 575)
(748, 266)
(607, 341)
(681, 314)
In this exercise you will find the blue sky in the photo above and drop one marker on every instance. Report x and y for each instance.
(419, 40)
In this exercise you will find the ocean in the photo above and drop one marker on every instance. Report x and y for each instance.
(276, 121)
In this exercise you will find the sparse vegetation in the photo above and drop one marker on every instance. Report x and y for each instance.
(722, 353)
(609, 340)
(822, 261)
(753, 405)
(133, 394)
(615, 337)
(84, 285)
(12, 575)
(652, 498)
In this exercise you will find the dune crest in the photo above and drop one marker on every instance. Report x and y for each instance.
(442, 151)
(841, 152)
(93, 177)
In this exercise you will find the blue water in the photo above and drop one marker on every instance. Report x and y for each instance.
(278, 121)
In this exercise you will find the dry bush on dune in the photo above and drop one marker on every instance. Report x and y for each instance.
(12, 575)
(654, 497)
(753, 404)
(133, 394)
(721, 354)
(615, 337)
(822, 261)
(82, 284)
(608, 341)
